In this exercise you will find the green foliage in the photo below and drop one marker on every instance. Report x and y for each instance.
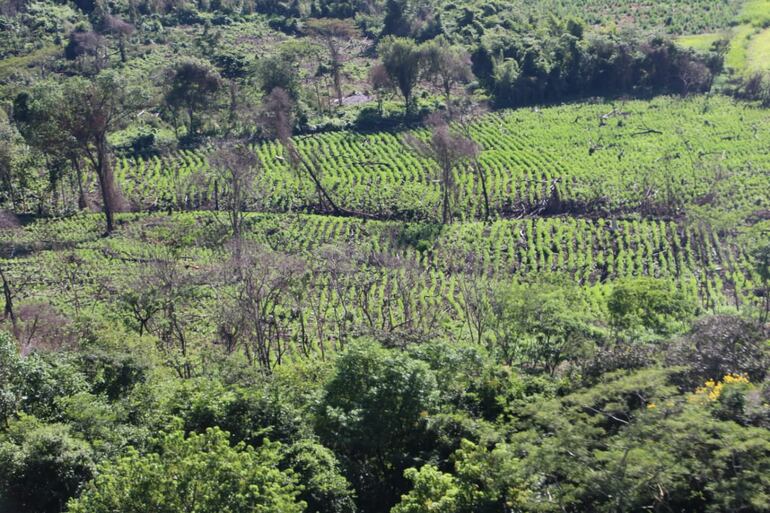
(373, 414)
(191, 90)
(544, 325)
(10, 364)
(402, 59)
(249, 415)
(648, 304)
(200, 473)
(278, 71)
(432, 491)
(324, 488)
(42, 465)
(539, 355)
(614, 447)
(44, 379)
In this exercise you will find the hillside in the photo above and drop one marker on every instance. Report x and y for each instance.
(384, 256)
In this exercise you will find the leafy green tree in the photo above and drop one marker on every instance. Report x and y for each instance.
(433, 491)
(373, 416)
(395, 21)
(42, 465)
(249, 415)
(202, 473)
(543, 325)
(683, 460)
(648, 304)
(38, 121)
(402, 59)
(278, 71)
(9, 156)
(446, 66)
(191, 89)
(10, 363)
(324, 488)
(45, 379)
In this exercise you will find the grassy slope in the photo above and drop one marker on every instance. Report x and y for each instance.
(700, 42)
(750, 43)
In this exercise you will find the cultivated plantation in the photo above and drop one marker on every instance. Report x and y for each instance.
(637, 159)
(384, 256)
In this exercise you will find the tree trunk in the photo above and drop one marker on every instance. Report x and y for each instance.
(8, 183)
(82, 202)
(106, 182)
(232, 112)
(8, 310)
(445, 200)
(192, 127)
(448, 97)
(337, 84)
(122, 48)
(407, 103)
(336, 66)
(297, 160)
(483, 179)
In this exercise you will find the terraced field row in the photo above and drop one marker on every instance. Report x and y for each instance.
(371, 254)
(655, 158)
(669, 16)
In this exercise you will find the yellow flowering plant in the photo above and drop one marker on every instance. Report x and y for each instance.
(712, 390)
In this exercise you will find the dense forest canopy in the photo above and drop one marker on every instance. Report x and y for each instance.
(384, 256)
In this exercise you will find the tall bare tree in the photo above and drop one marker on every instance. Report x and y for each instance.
(89, 112)
(463, 121)
(446, 66)
(238, 167)
(448, 150)
(278, 119)
(121, 30)
(258, 288)
(160, 300)
(335, 33)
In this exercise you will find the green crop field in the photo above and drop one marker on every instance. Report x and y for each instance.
(667, 16)
(648, 158)
(404, 275)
